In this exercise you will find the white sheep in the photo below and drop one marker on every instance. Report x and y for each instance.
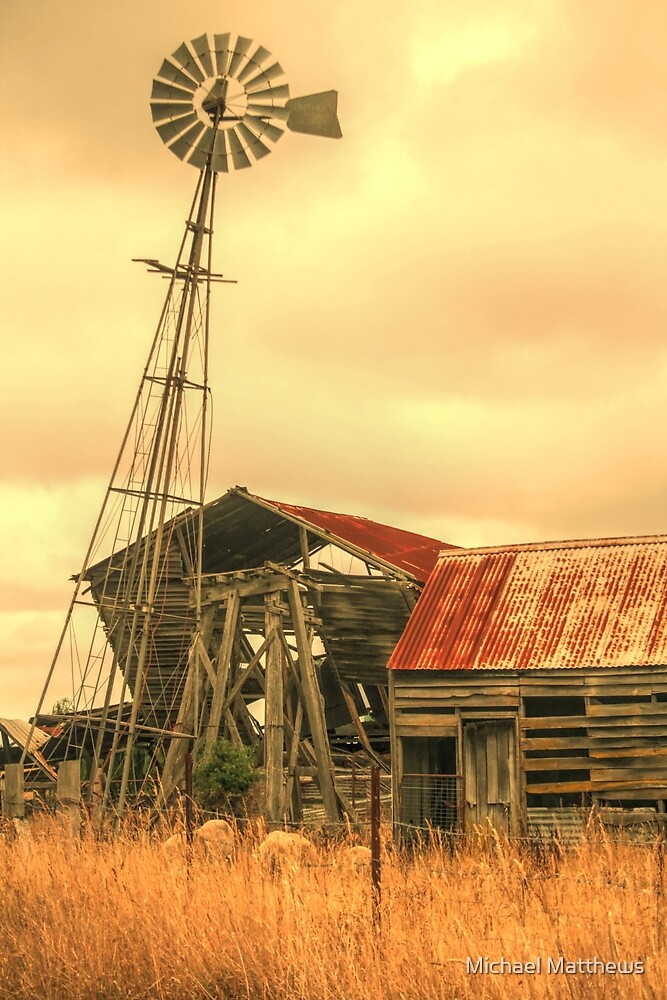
(352, 858)
(281, 850)
(215, 839)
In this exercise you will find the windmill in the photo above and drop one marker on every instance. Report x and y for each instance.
(219, 103)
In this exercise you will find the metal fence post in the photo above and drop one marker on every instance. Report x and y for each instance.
(189, 814)
(376, 864)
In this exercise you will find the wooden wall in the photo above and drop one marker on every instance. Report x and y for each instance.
(583, 736)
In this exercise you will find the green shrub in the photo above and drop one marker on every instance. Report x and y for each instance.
(223, 777)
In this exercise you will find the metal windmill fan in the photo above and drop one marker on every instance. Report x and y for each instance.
(213, 104)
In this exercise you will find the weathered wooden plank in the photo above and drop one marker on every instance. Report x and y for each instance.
(645, 752)
(630, 769)
(650, 708)
(424, 732)
(631, 783)
(558, 787)
(447, 719)
(584, 742)
(632, 793)
(556, 763)
(444, 701)
(591, 722)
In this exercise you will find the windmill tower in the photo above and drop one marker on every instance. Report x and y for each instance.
(218, 103)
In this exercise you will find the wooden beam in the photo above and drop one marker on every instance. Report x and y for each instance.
(224, 665)
(303, 542)
(251, 669)
(359, 726)
(293, 791)
(314, 704)
(216, 593)
(274, 734)
(188, 712)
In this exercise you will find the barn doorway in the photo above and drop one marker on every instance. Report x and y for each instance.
(489, 773)
(430, 788)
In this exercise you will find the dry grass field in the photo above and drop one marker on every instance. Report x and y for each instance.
(114, 918)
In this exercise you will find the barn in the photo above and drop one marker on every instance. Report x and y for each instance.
(530, 686)
(300, 611)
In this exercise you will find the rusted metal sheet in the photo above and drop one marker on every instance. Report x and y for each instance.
(591, 603)
(407, 551)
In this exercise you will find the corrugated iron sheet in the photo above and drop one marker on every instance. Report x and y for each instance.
(18, 731)
(410, 552)
(591, 603)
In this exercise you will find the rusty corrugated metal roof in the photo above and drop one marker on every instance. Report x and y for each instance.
(584, 603)
(406, 550)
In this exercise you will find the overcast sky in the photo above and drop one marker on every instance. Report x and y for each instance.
(452, 320)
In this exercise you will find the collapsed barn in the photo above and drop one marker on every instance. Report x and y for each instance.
(531, 681)
(298, 614)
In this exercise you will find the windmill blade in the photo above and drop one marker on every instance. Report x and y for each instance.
(254, 62)
(271, 93)
(315, 114)
(240, 49)
(239, 155)
(160, 111)
(200, 154)
(184, 146)
(253, 142)
(169, 92)
(222, 53)
(184, 58)
(264, 77)
(220, 159)
(268, 111)
(202, 50)
(264, 128)
(169, 130)
(175, 75)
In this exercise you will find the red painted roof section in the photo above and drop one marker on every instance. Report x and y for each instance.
(407, 551)
(591, 603)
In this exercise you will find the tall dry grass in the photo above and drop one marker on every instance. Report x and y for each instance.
(113, 918)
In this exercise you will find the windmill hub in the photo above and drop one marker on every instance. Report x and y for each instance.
(221, 102)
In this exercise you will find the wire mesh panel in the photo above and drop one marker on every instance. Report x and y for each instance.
(431, 802)
(353, 782)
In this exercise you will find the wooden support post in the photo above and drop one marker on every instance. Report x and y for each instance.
(274, 733)
(303, 541)
(376, 863)
(68, 794)
(174, 767)
(223, 669)
(293, 793)
(314, 706)
(13, 803)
